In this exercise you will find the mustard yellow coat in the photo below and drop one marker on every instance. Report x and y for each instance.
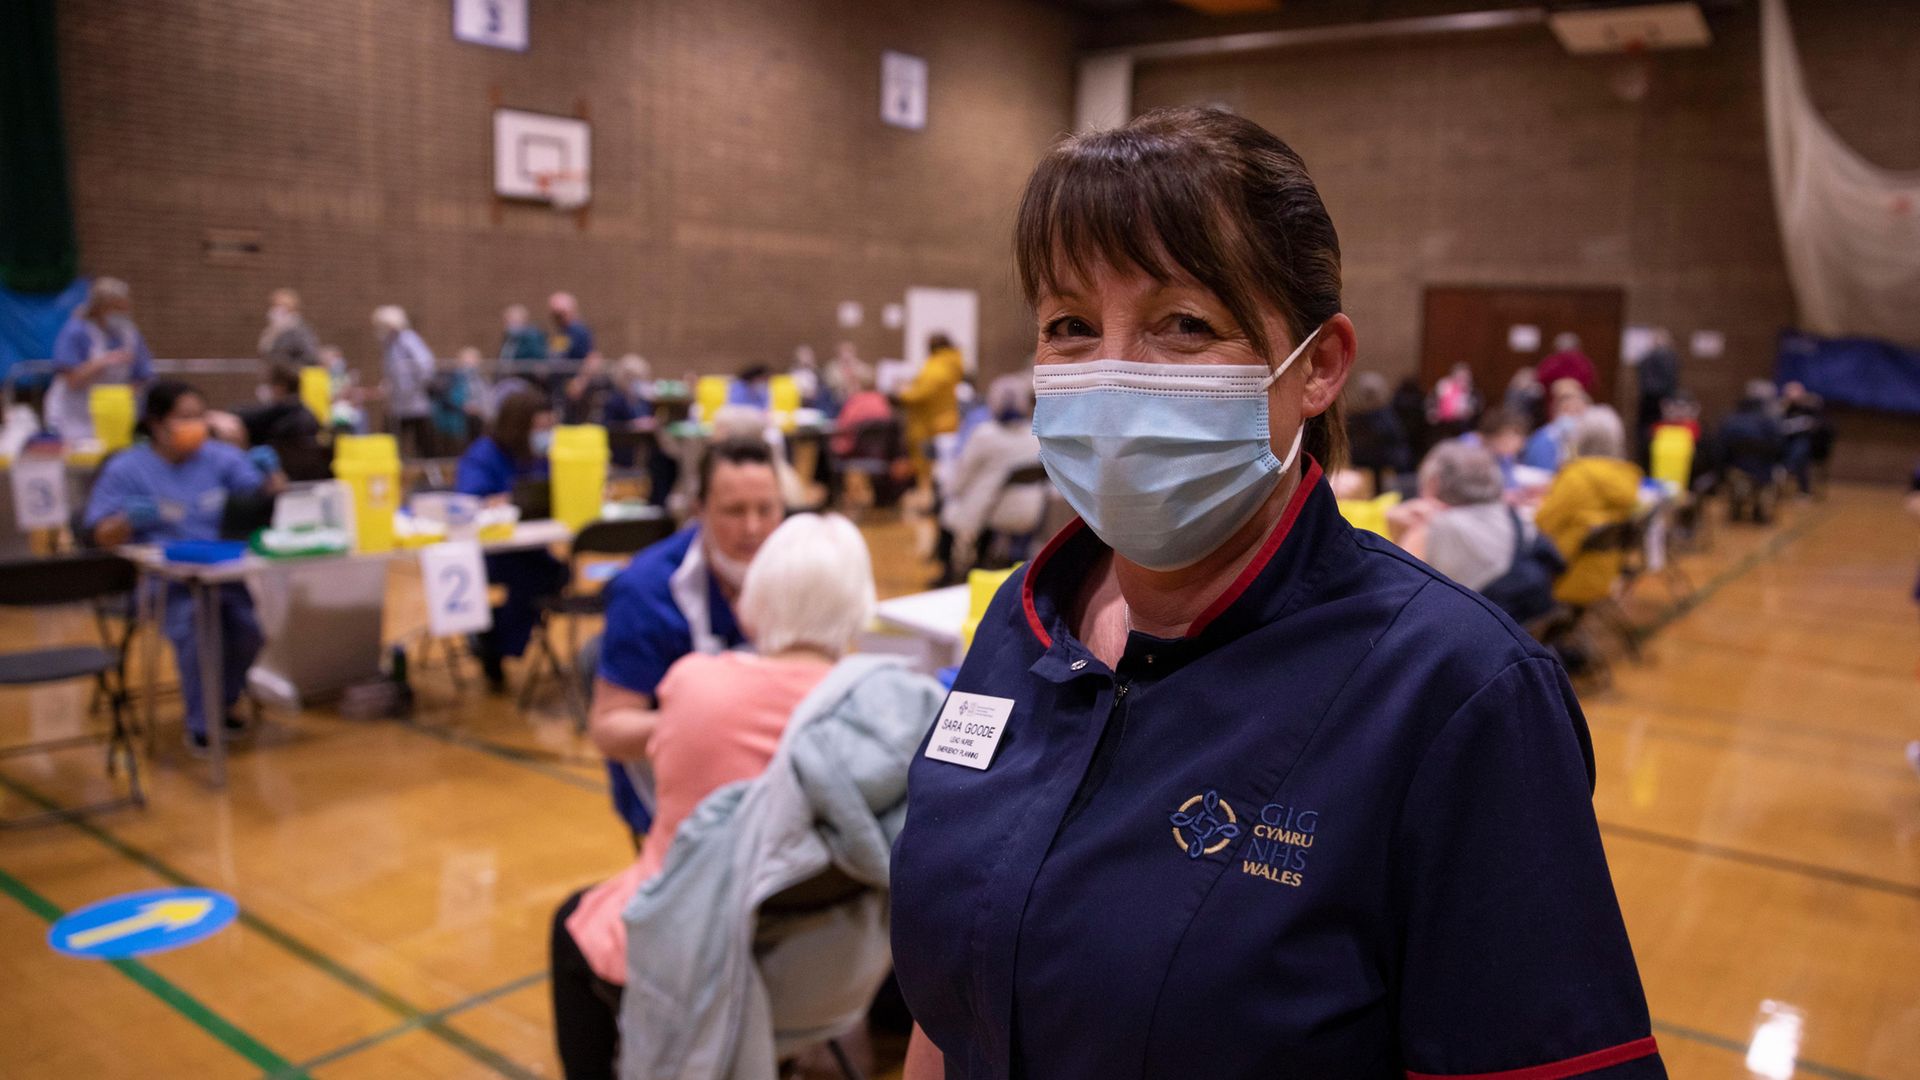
(1587, 493)
(932, 406)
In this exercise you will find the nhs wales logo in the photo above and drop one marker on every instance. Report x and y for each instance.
(1281, 837)
(1204, 824)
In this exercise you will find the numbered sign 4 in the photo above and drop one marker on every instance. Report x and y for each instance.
(456, 580)
(39, 493)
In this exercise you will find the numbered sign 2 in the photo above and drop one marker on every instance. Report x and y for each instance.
(456, 580)
(39, 493)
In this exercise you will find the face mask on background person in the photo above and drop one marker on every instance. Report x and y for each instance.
(542, 442)
(1163, 461)
(728, 569)
(186, 437)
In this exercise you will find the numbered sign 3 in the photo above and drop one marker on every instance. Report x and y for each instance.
(39, 493)
(456, 580)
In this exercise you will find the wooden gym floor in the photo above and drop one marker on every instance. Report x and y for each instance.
(395, 879)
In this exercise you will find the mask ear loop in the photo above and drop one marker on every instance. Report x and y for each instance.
(1299, 436)
(1291, 357)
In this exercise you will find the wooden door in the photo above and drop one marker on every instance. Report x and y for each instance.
(1474, 324)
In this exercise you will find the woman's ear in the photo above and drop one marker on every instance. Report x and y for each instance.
(1328, 365)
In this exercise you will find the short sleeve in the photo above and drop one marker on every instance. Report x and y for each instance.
(474, 476)
(644, 634)
(1514, 955)
(239, 475)
(111, 490)
(70, 347)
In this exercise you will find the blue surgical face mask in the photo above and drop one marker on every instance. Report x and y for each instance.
(542, 442)
(1163, 461)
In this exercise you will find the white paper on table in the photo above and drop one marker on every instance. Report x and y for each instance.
(39, 493)
(456, 581)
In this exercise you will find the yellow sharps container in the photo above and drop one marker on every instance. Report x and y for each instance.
(709, 394)
(1673, 456)
(981, 585)
(783, 399)
(370, 467)
(316, 393)
(112, 409)
(579, 473)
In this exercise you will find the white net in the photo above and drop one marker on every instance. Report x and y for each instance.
(1851, 229)
(564, 190)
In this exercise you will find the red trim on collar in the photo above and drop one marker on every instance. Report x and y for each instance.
(1573, 1066)
(1308, 479)
(1033, 569)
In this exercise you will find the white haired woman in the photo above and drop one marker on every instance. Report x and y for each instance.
(408, 365)
(1596, 487)
(978, 501)
(1480, 541)
(806, 596)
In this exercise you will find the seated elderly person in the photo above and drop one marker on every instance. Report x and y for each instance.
(719, 718)
(978, 504)
(1751, 449)
(1547, 449)
(1480, 541)
(1597, 487)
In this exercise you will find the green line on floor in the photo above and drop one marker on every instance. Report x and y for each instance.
(171, 995)
(397, 1030)
(340, 973)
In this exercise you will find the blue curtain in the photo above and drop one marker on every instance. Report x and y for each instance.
(29, 321)
(1862, 372)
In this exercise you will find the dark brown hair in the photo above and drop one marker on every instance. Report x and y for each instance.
(513, 425)
(1191, 193)
(733, 451)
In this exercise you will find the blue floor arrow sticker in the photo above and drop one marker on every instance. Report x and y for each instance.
(135, 924)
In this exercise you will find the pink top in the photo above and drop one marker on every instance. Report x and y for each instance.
(864, 407)
(720, 720)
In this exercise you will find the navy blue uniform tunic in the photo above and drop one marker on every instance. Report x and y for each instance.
(1341, 828)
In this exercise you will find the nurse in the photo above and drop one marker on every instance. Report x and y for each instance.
(514, 449)
(99, 346)
(676, 598)
(1225, 788)
(174, 485)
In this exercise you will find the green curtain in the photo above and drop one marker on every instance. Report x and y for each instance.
(37, 248)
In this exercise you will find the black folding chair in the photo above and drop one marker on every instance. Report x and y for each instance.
(829, 889)
(619, 537)
(86, 578)
(877, 444)
(534, 497)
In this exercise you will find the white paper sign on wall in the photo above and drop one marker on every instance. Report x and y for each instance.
(893, 316)
(39, 493)
(903, 90)
(500, 24)
(849, 314)
(456, 580)
(1708, 344)
(1523, 337)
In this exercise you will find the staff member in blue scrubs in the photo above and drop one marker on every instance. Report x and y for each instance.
(515, 449)
(1269, 797)
(174, 485)
(675, 598)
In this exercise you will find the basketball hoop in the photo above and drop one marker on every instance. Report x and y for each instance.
(564, 190)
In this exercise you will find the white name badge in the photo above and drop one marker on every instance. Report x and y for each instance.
(969, 729)
(39, 493)
(456, 581)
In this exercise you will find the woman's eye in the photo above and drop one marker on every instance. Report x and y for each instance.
(1192, 326)
(1069, 326)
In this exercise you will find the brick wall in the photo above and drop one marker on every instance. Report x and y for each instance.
(1499, 159)
(743, 185)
